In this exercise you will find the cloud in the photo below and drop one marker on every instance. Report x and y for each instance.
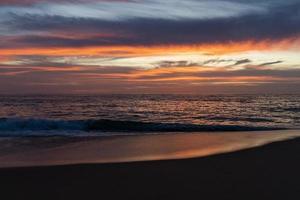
(148, 46)
(168, 80)
(271, 63)
(35, 29)
(240, 62)
(31, 2)
(181, 63)
(122, 10)
(228, 62)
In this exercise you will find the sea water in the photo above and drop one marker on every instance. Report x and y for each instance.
(106, 115)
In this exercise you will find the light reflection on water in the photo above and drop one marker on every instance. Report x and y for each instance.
(257, 110)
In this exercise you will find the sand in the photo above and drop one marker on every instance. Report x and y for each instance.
(265, 172)
(26, 152)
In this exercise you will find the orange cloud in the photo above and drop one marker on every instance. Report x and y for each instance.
(178, 74)
(57, 69)
(217, 49)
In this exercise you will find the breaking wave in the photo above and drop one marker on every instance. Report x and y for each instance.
(105, 125)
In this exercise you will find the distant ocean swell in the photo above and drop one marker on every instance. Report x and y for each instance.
(103, 125)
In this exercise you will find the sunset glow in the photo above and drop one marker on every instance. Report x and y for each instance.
(67, 46)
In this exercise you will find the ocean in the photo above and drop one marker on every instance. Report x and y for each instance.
(110, 115)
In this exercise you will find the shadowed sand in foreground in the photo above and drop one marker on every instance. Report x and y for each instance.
(267, 172)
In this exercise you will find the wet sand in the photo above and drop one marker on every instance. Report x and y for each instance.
(265, 172)
(41, 151)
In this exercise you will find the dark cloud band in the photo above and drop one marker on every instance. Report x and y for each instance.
(277, 23)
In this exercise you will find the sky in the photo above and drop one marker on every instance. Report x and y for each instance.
(149, 46)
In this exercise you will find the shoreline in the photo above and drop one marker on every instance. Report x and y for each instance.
(53, 151)
(266, 172)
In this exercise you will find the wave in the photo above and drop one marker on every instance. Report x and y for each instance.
(243, 119)
(105, 125)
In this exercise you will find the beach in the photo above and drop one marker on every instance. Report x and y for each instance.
(270, 171)
(57, 150)
(149, 99)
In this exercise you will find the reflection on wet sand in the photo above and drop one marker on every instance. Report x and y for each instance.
(17, 152)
